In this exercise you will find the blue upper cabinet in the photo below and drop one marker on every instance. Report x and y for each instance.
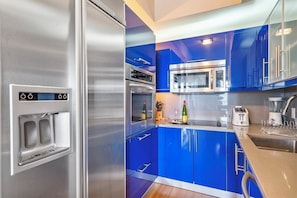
(245, 68)
(140, 43)
(164, 59)
(193, 49)
(262, 53)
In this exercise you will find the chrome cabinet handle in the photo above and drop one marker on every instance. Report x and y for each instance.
(190, 141)
(265, 78)
(248, 175)
(239, 167)
(146, 165)
(144, 136)
(141, 60)
(196, 141)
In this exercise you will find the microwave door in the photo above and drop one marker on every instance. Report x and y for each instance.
(200, 80)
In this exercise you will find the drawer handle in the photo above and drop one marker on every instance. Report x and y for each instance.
(144, 136)
(146, 165)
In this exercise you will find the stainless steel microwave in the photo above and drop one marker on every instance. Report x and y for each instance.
(206, 76)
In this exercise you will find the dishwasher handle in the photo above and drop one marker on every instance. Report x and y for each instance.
(248, 175)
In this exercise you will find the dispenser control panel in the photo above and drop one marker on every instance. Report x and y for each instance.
(34, 96)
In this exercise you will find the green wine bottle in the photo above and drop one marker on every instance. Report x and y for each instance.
(143, 112)
(184, 114)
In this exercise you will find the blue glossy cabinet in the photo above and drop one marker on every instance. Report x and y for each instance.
(193, 156)
(245, 68)
(143, 56)
(237, 165)
(210, 158)
(140, 42)
(234, 176)
(141, 162)
(164, 59)
(175, 156)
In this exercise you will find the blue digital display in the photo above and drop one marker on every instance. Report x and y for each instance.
(46, 96)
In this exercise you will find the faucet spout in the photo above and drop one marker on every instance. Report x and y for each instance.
(284, 116)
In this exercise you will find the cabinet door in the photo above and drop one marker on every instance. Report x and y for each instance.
(141, 161)
(210, 158)
(234, 177)
(290, 38)
(283, 43)
(262, 54)
(175, 154)
(164, 59)
(246, 74)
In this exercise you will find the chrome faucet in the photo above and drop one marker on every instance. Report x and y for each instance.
(284, 112)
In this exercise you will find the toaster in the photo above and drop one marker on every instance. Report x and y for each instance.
(240, 116)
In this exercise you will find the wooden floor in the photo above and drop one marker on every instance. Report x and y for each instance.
(163, 191)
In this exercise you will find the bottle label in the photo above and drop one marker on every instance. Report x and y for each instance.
(143, 116)
(185, 119)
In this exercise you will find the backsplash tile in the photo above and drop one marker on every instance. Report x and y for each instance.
(219, 106)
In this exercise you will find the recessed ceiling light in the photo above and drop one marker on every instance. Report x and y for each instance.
(207, 41)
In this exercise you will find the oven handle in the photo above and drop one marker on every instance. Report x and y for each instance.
(141, 85)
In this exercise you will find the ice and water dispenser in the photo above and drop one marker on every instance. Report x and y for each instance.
(40, 129)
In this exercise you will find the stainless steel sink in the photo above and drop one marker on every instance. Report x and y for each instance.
(276, 144)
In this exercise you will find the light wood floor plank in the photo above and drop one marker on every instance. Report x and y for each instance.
(164, 191)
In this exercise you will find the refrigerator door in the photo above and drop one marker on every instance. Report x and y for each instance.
(36, 48)
(105, 133)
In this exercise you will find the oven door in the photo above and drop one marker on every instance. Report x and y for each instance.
(195, 80)
(137, 94)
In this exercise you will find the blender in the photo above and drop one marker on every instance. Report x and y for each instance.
(275, 110)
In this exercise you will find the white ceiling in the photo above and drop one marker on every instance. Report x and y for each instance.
(175, 19)
(164, 10)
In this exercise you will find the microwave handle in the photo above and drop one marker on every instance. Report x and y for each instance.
(138, 85)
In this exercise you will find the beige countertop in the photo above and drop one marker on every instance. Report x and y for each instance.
(275, 171)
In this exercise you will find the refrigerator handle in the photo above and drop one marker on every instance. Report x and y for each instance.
(104, 7)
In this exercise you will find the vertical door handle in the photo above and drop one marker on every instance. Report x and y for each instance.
(196, 141)
(239, 167)
(265, 78)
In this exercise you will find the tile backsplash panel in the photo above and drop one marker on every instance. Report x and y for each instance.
(218, 106)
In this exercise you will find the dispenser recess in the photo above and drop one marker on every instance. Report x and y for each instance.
(40, 125)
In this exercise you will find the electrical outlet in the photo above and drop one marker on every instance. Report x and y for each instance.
(293, 113)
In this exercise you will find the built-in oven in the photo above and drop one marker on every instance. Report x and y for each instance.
(140, 100)
(206, 76)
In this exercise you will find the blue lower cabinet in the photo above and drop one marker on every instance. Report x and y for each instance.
(234, 176)
(210, 158)
(175, 155)
(193, 156)
(141, 162)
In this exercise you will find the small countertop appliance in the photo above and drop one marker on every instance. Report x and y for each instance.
(240, 116)
(275, 110)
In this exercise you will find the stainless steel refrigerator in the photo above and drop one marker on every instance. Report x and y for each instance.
(62, 98)
(105, 43)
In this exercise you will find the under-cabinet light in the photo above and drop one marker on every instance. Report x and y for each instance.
(207, 41)
(284, 31)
